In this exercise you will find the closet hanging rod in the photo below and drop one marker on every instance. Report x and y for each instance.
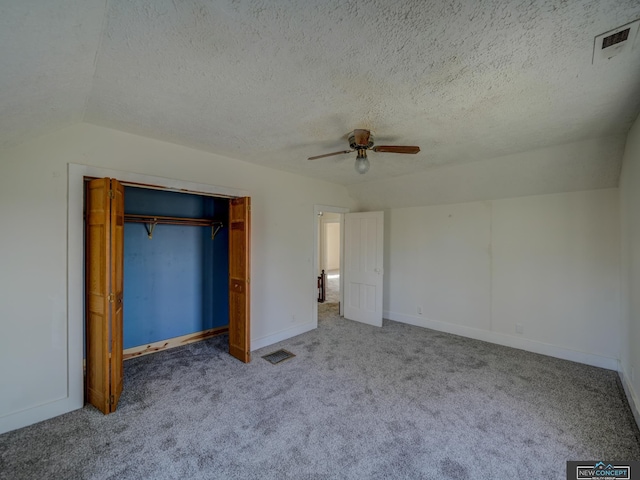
(150, 222)
(160, 219)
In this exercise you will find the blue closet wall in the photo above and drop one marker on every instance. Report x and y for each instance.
(177, 282)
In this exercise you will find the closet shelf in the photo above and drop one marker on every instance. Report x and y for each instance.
(150, 222)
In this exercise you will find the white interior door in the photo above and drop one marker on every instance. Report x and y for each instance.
(363, 248)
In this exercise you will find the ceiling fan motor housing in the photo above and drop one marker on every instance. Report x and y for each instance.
(361, 139)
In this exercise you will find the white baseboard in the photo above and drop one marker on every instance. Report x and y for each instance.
(507, 340)
(632, 396)
(38, 413)
(257, 343)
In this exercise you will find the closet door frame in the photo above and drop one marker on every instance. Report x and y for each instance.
(77, 174)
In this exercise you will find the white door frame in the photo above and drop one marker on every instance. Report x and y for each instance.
(317, 209)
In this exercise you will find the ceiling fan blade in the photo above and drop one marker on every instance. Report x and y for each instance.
(396, 149)
(361, 136)
(329, 154)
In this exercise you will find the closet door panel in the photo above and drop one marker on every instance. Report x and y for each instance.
(97, 294)
(104, 292)
(117, 287)
(239, 270)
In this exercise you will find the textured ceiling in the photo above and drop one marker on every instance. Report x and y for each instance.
(273, 82)
(47, 61)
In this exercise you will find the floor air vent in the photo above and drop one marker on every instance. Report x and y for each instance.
(278, 356)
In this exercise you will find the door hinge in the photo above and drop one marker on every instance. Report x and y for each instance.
(111, 297)
(112, 194)
(112, 400)
(248, 279)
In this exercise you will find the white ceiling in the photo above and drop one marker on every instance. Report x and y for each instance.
(274, 82)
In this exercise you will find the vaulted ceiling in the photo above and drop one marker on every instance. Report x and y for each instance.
(273, 82)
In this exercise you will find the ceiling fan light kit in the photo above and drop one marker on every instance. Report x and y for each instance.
(360, 141)
(362, 162)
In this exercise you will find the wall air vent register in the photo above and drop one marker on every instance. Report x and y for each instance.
(617, 42)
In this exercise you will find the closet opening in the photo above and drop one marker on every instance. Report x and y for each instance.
(163, 269)
(176, 269)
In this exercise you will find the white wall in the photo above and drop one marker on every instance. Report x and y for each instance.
(438, 258)
(589, 164)
(332, 245)
(34, 353)
(549, 263)
(630, 220)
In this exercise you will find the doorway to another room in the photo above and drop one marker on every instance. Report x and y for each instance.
(329, 260)
(330, 266)
(330, 228)
(359, 275)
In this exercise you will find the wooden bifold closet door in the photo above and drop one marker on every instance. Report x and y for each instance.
(239, 281)
(104, 289)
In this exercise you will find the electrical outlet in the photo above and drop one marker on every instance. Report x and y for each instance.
(519, 328)
(419, 309)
